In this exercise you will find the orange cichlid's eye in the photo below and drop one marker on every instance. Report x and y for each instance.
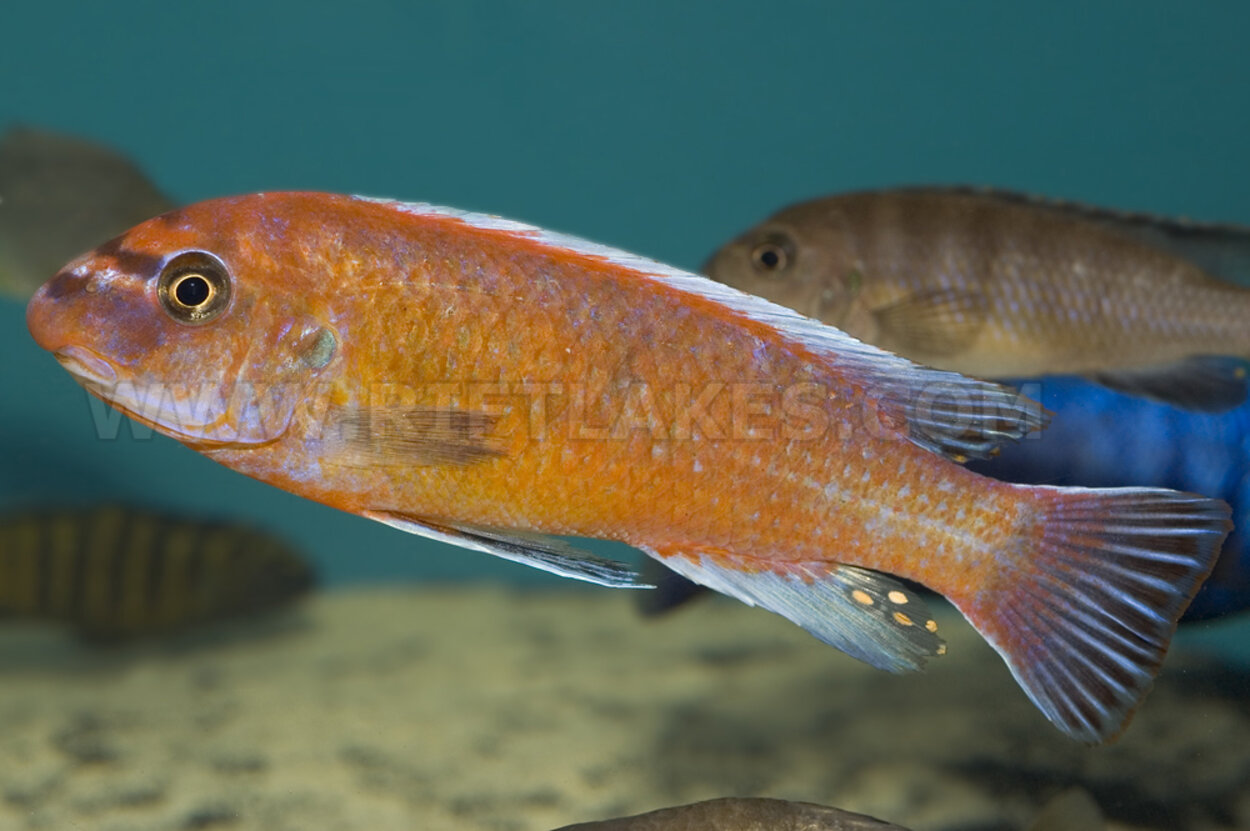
(194, 287)
(773, 255)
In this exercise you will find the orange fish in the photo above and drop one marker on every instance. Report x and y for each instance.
(486, 383)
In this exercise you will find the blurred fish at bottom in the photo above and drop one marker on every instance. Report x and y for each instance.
(1072, 810)
(116, 573)
(731, 814)
(1101, 438)
(60, 195)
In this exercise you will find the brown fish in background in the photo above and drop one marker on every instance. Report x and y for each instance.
(59, 196)
(999, 285)
(115, 573)
(1072, 810)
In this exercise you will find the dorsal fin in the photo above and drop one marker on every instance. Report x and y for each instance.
(1220, 249)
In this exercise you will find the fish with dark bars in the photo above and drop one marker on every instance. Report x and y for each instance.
(115, 573)
(1000, 285)
(60, 195)
(1071, 810)
(489, 384)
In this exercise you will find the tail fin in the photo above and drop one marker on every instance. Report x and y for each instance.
(1084, 613)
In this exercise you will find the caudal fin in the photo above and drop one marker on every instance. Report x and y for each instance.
(1084, 610)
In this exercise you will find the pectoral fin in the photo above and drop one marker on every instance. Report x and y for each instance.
(933, 322)
(411, 436)
(1207, 383)
(537, 550)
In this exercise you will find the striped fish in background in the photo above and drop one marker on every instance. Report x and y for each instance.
(115, 573)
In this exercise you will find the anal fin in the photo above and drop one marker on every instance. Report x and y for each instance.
(1209, 383)
(866, 614)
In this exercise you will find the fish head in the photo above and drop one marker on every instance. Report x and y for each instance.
(188, 324)
(804, 262)
(272, 575)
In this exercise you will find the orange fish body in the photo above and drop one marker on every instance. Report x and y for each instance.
(483, 382)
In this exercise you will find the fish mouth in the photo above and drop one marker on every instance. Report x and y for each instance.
(99, 377)
(152, 405)
(87, 366)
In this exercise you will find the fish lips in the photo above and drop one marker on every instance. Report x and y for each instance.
(89, 368)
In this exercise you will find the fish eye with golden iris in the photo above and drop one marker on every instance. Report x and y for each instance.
(876, 473)
(194, 287)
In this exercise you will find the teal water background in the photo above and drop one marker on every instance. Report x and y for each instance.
(661, 128)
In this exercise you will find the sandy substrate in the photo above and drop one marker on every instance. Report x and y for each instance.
(454, 709)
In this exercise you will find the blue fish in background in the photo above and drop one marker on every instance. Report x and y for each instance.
(1101, 438)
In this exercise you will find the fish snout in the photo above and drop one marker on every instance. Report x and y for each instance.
(46, 326)
(66, 308)
(50, 318)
